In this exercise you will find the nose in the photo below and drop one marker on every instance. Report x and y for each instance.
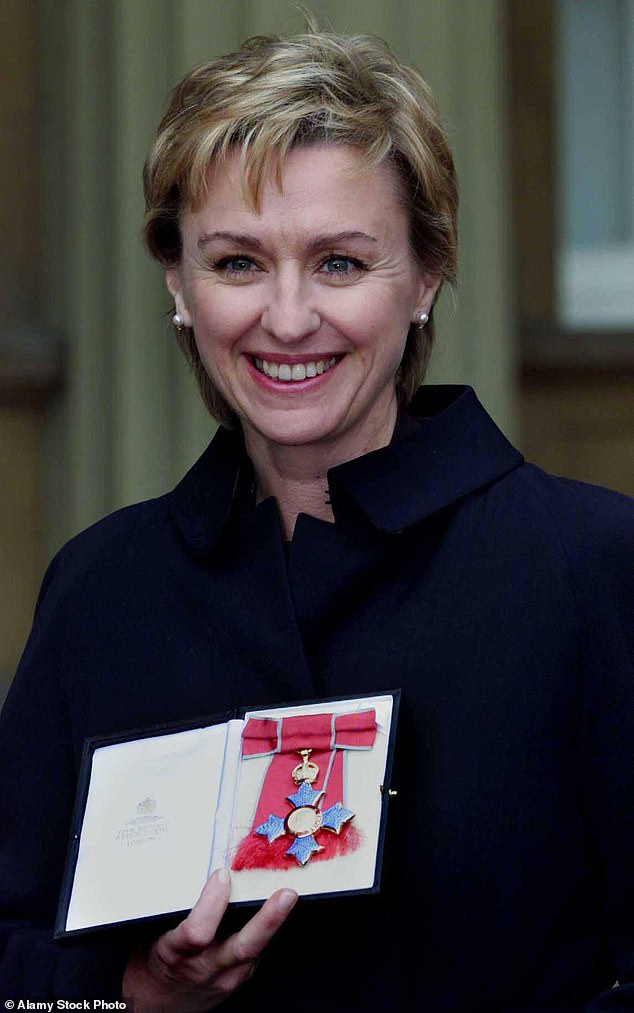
(289, 315)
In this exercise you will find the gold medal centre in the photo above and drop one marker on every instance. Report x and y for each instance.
(304, 821)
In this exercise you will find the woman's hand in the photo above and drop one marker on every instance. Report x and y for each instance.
(186, 971)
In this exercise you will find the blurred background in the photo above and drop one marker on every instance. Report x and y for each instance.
(96, 408)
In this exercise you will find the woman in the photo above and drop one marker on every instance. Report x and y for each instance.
(343, 534)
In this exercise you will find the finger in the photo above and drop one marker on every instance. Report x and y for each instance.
(246, 945)
(198, 930)
(228, 981)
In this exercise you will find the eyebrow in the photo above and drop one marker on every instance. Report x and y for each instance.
(246, 242)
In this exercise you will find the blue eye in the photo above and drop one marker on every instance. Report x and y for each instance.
(341, 266)
(237, 265)
(337, 265)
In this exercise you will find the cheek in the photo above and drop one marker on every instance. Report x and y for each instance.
(388, 301)
(220, 317)
(377, 321)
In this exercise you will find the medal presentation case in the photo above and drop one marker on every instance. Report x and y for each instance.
(283, 796)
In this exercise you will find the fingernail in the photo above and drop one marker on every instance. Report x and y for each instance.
(286, 900)
(224, 877)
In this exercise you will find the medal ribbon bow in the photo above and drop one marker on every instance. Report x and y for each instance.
(327, 735)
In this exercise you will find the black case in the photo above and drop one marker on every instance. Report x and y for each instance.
(83, 785)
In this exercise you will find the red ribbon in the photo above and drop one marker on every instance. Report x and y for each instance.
(327, 735)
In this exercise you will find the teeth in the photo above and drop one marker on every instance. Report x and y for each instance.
(298, 371)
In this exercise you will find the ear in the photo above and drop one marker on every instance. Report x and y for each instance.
(174, 282)
(429, 285)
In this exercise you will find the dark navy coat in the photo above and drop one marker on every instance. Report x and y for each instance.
(497, 597)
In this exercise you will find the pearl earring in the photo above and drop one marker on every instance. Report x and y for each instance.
(178, 322)
(421, 320)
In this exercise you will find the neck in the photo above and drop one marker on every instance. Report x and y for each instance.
(297, 476)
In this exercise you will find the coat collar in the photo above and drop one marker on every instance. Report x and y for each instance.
(453, 449)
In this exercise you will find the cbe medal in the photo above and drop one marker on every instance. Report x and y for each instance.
(305, 819)
(299, 834)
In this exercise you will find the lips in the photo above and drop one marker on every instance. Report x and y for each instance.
(294, 372)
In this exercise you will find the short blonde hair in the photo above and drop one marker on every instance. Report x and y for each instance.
(276, 93)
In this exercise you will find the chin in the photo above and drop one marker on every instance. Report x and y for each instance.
(289, 432)
(296, 438)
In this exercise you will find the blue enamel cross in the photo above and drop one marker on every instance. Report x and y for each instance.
(304, 821)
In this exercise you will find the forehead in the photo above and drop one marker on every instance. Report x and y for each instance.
(322, 186)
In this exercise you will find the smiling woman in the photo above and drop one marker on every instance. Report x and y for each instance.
(303, 328)
(344, 533)
(302, 198)
(238, 119)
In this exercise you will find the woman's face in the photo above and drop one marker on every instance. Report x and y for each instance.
(301, 312)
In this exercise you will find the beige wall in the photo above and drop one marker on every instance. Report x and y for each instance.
(581, 426)
(20, 256)
(20, 529)
(20, 260)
